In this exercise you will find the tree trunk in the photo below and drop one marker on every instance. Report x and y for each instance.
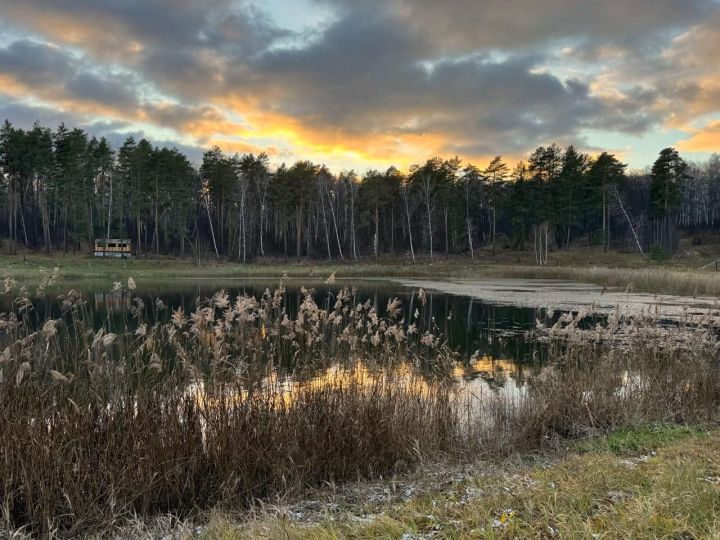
(469, 225)
(212, 230)
(376, 238)
(335, 225)
(604, 219)
(407, 214)
(46, 226)
(492, 232)
(447, 246)
(392, 229)
(429, 223)
(298, 226)
(262, 215)
(352, 221)
(324, 217)
(627, 217)
(12, 218)
(242, 244)
(137, 235)
(109, 220)
(65, 230)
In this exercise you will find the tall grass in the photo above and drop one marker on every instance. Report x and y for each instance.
(625, 371)
(184, 416)
(191, 414)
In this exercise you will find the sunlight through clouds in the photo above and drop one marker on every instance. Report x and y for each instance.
(358, 85)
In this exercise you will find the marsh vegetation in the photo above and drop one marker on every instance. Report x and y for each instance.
(189, 412)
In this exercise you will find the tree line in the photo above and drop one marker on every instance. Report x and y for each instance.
(62, 189)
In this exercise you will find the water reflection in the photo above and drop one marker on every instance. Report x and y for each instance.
(469, 382)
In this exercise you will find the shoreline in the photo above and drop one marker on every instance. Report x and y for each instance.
(664, 279)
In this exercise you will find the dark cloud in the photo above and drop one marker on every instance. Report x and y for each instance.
(24, 116)
(520, 24)
(34, 63)
(54, 72)
(116, 91)
(153, 23)
(181, 45)
(374, 76)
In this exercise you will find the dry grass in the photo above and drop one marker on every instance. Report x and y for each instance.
(178, 418)
(653, 279)
(624, 371)
(183, 416)
(668, 489)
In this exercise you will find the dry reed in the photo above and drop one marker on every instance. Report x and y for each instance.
(191, 414)
(184, 416)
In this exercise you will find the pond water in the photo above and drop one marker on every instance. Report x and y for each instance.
(471, 327)
(489, 335)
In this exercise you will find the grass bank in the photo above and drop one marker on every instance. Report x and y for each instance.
(678, 276)
(648, 482)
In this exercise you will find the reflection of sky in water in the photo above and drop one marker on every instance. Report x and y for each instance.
(471, 383)
(485, 377)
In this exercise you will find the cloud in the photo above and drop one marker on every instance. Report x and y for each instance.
(379, 81)
(24, 116)
(108, 28)
(371, 77)
(52, 73)
(521, 24)
(705, 139)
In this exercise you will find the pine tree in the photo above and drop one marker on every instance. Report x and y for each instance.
(669, 173)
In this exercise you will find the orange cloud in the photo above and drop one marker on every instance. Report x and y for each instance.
(11, 87)
(202, 123)
(706, 139)
(242, 147)
(211, 125)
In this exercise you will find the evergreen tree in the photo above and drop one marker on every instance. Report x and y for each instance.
(606, 173)
(669, 173)
(495, 173)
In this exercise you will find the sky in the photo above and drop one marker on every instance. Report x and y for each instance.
(358, 84)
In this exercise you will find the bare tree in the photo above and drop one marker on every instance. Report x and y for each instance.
(206, 199)
(321, 191)
(427, 185)
(406, 195)
(353, 189)
(331, 198)
(618, 199)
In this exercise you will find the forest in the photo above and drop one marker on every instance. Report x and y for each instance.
(63, 188)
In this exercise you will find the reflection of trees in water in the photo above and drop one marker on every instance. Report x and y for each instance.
(112, 301)
(472, 328)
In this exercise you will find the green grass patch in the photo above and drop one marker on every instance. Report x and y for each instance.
(642, 439)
